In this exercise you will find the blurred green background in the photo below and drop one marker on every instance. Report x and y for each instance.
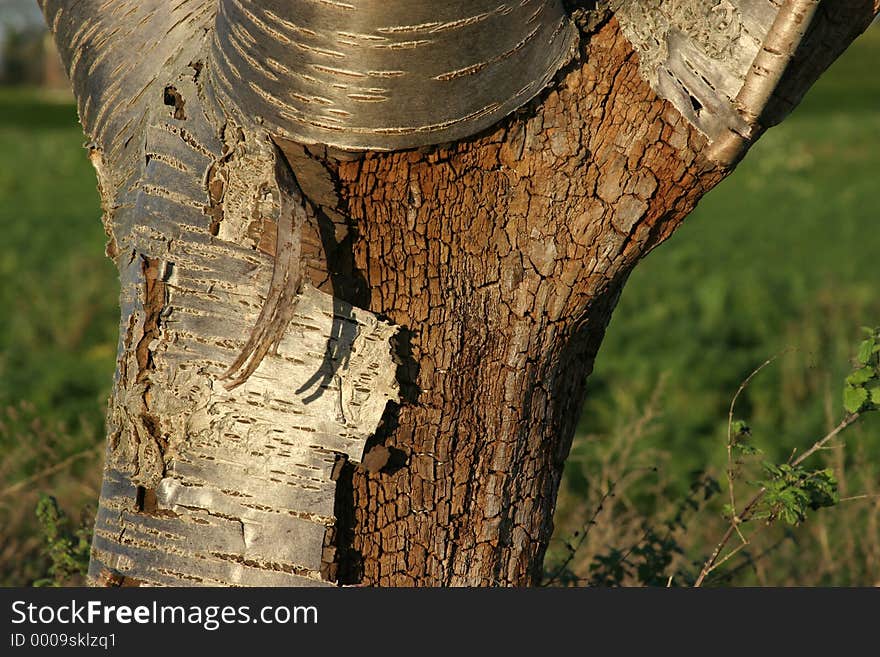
(783, 254)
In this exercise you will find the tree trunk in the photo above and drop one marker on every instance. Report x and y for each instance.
(411, 424)
(503, 259)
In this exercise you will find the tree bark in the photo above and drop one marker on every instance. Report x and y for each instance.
(503, 259)
(411, 425)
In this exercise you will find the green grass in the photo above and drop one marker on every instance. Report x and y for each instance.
(58, 332)
(58, 327)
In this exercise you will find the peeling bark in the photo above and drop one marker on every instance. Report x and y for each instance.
(409, 332)
(356, 75)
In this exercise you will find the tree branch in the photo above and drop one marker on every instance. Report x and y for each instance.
(835, 25)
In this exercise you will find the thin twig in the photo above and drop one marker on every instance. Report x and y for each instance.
(852, 498)
(572, 550)
(749, 560)
(711, 562)
(819, 444)
(734, 517)
(52, 469)
(739, 547)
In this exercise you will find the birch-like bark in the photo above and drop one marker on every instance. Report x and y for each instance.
(411, 424)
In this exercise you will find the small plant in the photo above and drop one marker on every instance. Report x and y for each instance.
(862, 389)
(67, 550)
(781, 494)
(647, 560)
(789, 490)
(41, 453)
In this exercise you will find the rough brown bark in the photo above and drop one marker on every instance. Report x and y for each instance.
(502, 258)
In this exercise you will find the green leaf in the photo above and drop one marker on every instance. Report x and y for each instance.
(860, 376)
(875, 394)
(746, 450)
(854, 398)
(865, 351)
(821, 486)
(740, 428)
(791, 516)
